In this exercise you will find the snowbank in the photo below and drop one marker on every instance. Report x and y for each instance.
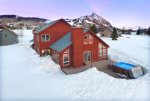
(25, 75)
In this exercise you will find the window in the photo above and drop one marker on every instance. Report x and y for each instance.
(45, 52)
(102, 51)
(100, 47)
(55, 56)
(37, 37)
(87, 56)
(88, 39)
(85, 39)
(45, 38)
(66, 57)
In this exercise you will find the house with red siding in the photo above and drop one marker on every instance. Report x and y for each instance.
(69, 46)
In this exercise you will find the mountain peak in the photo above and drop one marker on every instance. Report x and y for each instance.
(92, 18)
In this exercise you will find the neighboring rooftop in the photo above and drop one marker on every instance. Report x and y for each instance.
(62, 43)
(4, 29)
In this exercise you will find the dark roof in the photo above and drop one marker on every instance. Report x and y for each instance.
(41, 28)
(98, 38)
(9, 31)
(62, 43)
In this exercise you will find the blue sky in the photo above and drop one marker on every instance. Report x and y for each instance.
(119, 13)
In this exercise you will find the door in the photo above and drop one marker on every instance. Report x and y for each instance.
(87, 56)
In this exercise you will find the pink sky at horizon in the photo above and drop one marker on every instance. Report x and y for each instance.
(119, 13)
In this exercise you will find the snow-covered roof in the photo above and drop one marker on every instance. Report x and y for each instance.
(62, 43)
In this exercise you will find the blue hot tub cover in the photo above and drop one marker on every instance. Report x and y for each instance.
(124, 65)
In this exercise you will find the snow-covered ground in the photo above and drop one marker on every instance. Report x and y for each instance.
(25, 75)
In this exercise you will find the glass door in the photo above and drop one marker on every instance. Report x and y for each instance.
(87, 56)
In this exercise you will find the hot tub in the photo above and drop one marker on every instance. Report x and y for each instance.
(130, 70)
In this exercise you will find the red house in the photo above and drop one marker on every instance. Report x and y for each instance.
(69, 46)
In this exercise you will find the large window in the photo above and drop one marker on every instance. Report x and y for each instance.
(66, 57)
(88, 39)
(102, 51)
(55, 56)
(45, 38)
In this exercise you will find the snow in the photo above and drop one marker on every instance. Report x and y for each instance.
(25, 75)
(135, 48)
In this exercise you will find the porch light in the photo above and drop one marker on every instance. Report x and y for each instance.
(42, 51)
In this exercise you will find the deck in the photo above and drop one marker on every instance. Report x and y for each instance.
(102, 66)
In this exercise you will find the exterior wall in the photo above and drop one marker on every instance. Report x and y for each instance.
(92, 47)
(7, 38)
(106, 32)
(77, 47)
(36, 43)
(55, 31)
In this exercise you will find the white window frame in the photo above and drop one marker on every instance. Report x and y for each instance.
(68, 62)
(45, 40)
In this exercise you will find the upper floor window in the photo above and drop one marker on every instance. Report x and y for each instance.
(45, 38)
(88, 39)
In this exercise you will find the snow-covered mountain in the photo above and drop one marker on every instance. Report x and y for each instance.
(90, 19)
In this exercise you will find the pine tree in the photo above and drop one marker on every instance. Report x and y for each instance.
(123, 30)
(138, 32)
(93, 28)
(114, 34)
(148, 32)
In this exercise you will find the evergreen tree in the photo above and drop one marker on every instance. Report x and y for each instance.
(93, 28)
(123, 30)
(148, 32)
(114, 34)
(138, 32)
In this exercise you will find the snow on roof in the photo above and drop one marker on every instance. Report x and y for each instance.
(62, 43)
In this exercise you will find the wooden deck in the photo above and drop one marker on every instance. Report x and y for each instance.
(100, 65)
(75, 70)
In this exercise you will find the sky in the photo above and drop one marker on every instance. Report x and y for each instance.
(127, 13)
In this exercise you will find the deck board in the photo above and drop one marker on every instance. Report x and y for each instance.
(100, 65)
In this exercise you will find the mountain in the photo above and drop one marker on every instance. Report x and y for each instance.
(90, 19)
(20, 18)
